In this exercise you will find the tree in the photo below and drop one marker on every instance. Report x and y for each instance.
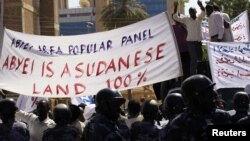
(120, 13)
(233, 7)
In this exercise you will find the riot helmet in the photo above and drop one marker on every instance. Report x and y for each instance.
(7, 110)
(241, 101)
(108, 103)
(198, 92)
(173, 105)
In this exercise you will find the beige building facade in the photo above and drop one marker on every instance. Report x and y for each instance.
(32, 16)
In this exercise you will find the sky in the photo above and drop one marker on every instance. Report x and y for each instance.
(191, 3)
(73, 3)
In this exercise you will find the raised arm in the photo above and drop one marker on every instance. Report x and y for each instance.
(175, 15)
(201, 5)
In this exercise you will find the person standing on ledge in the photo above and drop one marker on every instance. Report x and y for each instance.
(194, 37)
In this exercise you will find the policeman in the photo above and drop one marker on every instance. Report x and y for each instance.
(241, 105)
(10, 129)
(192, 124)
(105, 125)
(62, 131)
(173, 105)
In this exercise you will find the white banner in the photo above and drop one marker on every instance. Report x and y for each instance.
(84, 99)
(205, 31)
(240, 28)
(230, 64)
(136, 55)
(28, 103)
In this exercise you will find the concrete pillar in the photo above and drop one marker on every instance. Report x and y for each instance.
(49, 17)
(100, 4)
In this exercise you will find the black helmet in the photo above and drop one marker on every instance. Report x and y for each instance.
(195, 85)
(108, 103)
(173, 105)
(7, 110)
(62, 114)
(7, 106)
(241, 101)
(198, 90)
(110, 95)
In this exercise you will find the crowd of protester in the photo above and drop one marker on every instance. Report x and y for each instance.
(184, 115)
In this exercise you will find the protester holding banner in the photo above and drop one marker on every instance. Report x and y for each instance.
(228, 35)
(194, 37)
(37, 124)
(215, 24)
(181, 38)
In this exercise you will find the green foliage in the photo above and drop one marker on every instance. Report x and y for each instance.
(120, 13)
(233, 7)
(204, 53)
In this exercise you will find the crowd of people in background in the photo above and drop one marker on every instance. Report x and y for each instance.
(185, 114)
(187, 30)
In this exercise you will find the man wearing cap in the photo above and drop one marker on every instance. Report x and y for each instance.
(104, 126)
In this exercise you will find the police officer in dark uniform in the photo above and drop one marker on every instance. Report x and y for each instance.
(62, 131)
(173, 105)
(241, 105)
(104, 126)
(192, 124)
(11, 130)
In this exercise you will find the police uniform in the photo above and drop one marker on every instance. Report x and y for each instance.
(192, 125)
(99, 128)
(62, 133)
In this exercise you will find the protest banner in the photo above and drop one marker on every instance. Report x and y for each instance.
(229, 63)
(205, 31)
(71, 66)
(28, 103)
(240, 27)
(84, 99)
